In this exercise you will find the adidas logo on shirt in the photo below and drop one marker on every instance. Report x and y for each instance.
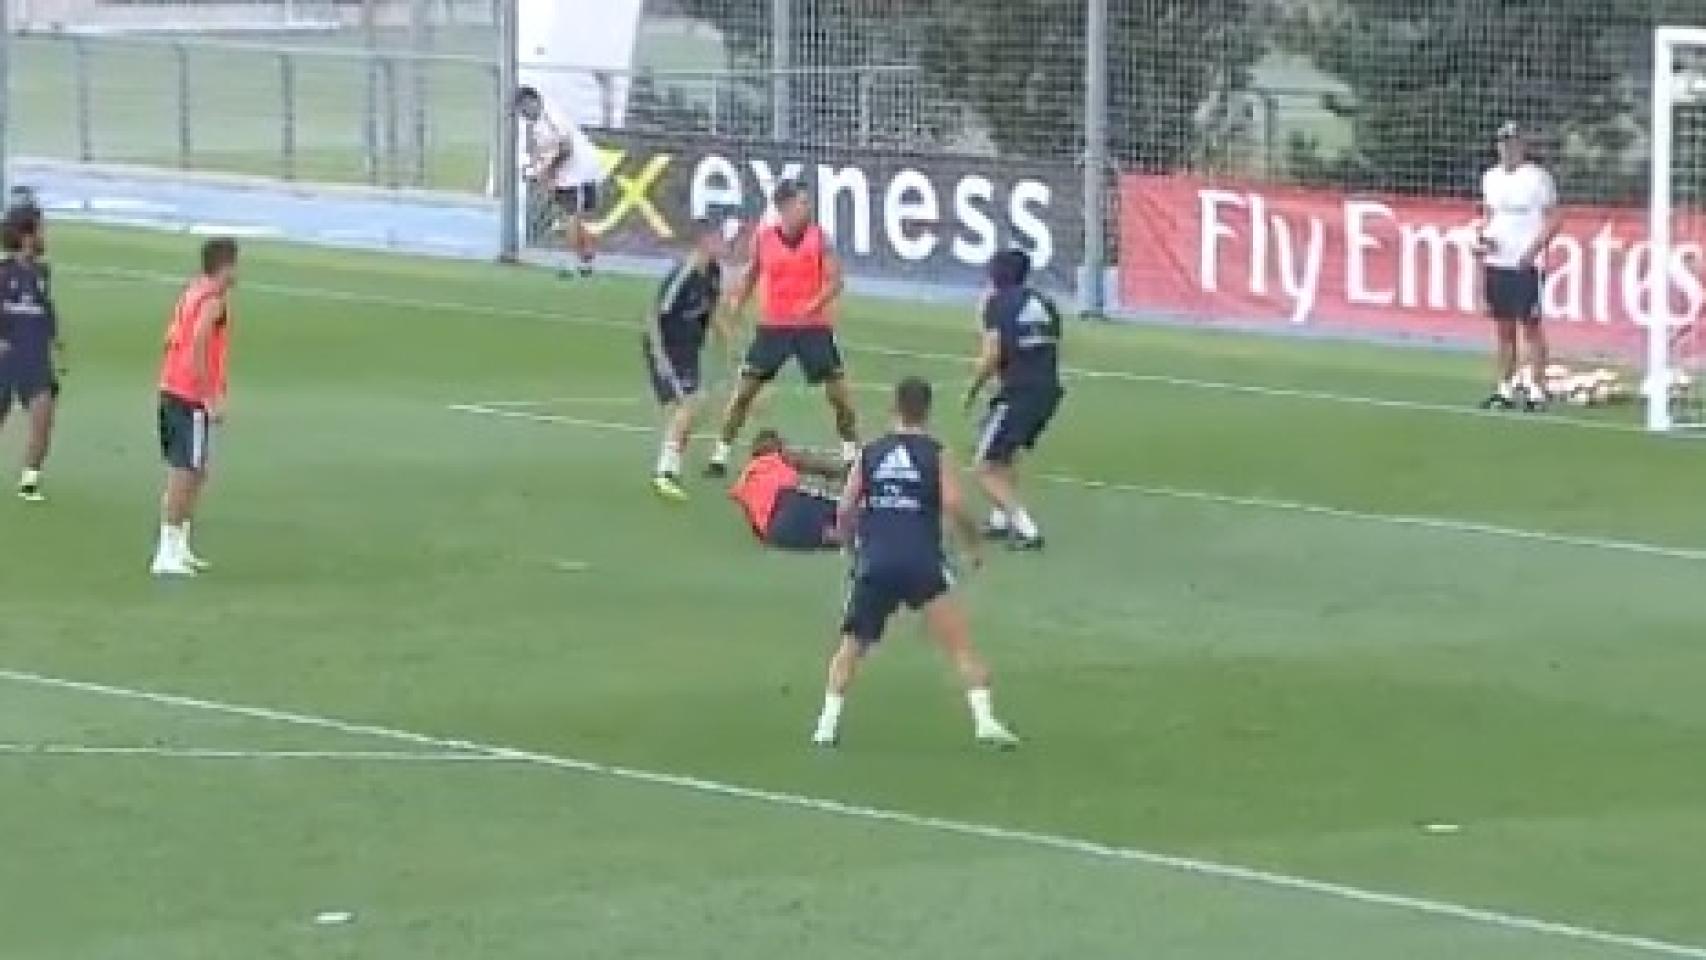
(897, 465)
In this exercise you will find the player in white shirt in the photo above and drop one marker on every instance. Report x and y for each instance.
(1519, 219)
(562, 160)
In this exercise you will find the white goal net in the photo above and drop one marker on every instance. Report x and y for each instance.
(1676, 337)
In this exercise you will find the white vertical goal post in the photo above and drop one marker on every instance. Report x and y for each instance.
(1671, 386)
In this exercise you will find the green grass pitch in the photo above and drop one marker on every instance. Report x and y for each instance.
(1243, 647)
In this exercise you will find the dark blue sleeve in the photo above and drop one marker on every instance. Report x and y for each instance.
(992, 311)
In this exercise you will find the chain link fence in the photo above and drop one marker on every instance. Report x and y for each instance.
(1262, 161)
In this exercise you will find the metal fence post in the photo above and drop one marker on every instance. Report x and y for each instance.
(866, 86)
(388, 95)
(419, 43)
(186, 143)
(5, 97)
(80, 79)
(781, 60)
(1095, 157)
(287, 105)
(507, 176)
(370, 120)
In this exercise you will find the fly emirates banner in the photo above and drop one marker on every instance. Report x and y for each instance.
(1260, 254)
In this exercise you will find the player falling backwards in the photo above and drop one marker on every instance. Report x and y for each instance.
(30, 344)
(798, 279)
(686, 309)
(900, 494)
(1021, 350)
(192, 400)
(783, 492)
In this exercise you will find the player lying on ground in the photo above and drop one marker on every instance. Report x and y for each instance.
(1021, 350)
(798, 279)
(562, 162)
(192, 400)
(900, 494)
(674, 341)
(30, 344)
(773, 494)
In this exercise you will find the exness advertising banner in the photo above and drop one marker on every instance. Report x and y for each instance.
(1394, 266)
(890, 216)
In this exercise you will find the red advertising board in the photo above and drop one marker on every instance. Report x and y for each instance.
(1260, 254)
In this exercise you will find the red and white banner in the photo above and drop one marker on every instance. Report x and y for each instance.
(1213, 251)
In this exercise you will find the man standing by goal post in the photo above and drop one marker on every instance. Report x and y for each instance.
(1519, 219)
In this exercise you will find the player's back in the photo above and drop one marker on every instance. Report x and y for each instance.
(1029, 326)
(26, 312)
(899, 517)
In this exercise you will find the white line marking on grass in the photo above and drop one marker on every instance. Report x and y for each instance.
(1203, 496)
(571, 566)
(562, 401)
(776, 798)
(216, 753)
(1078, 373)
(1399, 520)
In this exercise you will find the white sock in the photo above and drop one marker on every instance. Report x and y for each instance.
(997, 518)
(830, 718)
(720, 453)
(1023, 525)
(29, 478)
(982, 707)
(1507, 388)
(849, 451)
(669, 459)
(173, 540)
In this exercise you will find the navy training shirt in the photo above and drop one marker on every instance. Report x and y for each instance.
(1028, 324)
(27, 321)
(899, 521)
(686, 301)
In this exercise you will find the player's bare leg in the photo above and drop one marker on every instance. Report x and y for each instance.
(1008, 517)
(1539, 357)
(679, 418)
(582, 243)
(947, 622)
(177, 509)
(843, 667)
(41, 413)
(839, 393)
(1505, 364)
(734, 418)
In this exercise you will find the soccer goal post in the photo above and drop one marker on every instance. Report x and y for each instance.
(1676, 230)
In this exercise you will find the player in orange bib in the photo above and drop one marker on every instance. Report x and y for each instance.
(798, 279)
(783, 511)
(192, 400)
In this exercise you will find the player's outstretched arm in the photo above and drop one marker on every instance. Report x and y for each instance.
(833, 283)
(964, 530)
(747, 283)
(807, 462)
(988, 361)
(851, 494)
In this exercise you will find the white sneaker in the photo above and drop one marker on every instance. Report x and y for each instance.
(997, 736)
(169, 566)
(195, 562)
(825, 738)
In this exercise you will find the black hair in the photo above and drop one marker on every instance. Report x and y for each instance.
(786, 191)
(703, 227)
(525, 93)
(1010, 268)
(217, 254)
(912, 398)
(767, 439)
(21, 221)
